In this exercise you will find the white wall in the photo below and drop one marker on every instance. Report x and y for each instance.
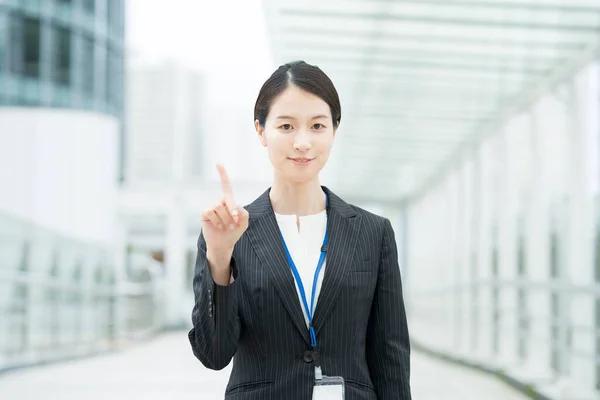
(58, 168)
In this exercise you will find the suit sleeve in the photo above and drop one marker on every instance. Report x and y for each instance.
(388, 346)
(216, 326)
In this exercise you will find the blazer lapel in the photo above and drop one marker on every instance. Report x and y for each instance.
(264, 235)
(343, 232)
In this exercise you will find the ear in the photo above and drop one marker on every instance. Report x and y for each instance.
(261, 133)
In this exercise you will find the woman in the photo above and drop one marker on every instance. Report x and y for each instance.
(299, 250)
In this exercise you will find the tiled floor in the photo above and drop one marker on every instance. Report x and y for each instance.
(165, 368)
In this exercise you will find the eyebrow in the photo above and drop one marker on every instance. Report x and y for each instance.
(315, 117)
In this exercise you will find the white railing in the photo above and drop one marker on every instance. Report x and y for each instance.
(60, 298)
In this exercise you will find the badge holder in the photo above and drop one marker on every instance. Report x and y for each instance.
(328, 387)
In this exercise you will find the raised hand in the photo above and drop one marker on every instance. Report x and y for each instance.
(222, 227)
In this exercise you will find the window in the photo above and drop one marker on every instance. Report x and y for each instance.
(31, 47)
(113, 15)
(522, 303)
(61, 63)
(495, 291)
(89, 6)
(113, 78)
(3, 34)
(597, 276)
(88, 65)
(474, 328)
(554, 303)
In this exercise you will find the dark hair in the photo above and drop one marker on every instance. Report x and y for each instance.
(305, 76)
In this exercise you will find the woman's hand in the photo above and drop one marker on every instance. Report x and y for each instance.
(222, 227)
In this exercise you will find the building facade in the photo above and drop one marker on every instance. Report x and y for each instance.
(61, 107)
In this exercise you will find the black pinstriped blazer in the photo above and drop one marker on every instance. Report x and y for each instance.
(360, 319)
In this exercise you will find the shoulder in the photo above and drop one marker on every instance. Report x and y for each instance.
(371, 221)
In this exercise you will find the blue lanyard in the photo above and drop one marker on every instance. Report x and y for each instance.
(309, 311)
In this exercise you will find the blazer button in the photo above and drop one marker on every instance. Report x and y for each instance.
(310, 356)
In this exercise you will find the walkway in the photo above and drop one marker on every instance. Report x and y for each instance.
(165, 368)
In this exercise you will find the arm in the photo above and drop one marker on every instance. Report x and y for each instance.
(216, 330)
(388, 346)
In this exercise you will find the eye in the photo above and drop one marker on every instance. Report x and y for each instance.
(318, 126)
(286, 127)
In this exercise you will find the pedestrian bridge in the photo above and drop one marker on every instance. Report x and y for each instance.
(164, 368)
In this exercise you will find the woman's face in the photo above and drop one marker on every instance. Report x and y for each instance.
(298, 134)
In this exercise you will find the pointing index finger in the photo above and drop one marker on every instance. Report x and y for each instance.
(228, 192)
(225, 182)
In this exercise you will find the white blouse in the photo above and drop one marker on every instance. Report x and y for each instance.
(305, 248)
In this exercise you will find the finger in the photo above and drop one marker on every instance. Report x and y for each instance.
(210, 215)
(232, 207)
(225, 182)
(228, 193)
(223, 214)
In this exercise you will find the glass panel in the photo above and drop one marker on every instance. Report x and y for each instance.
(31, 47)
(16, 38)
(32, 6)
(3, 33)
(89, 6)
(100, 70)
(495, 293)
(113, 84)
(88, 65)
(474, 301)
(62, 96)
(522, 310)
(30, 91)
(63, 11)
(61, 68)
(597, 276)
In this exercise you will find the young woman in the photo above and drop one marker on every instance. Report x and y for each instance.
(301, 289)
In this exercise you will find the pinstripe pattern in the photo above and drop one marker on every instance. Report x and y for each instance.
(360, 319)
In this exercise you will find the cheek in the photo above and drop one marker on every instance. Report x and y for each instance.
(325, 145)
(277, 147)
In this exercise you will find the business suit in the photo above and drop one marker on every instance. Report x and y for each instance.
(360, 318)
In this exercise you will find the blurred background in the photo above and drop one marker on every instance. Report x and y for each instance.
(473, 125)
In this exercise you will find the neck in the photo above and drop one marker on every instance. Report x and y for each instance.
(299, 199)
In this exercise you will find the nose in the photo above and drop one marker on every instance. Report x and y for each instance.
(302, 141)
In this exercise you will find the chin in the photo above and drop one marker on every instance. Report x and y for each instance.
(301, 178)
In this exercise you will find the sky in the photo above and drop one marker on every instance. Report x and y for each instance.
(227, 42)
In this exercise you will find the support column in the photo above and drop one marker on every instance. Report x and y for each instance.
(507, 197)
(535, 341)
(485, 243)
(175, 263)
(583, 118)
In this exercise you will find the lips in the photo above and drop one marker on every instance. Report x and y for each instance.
(301, 160)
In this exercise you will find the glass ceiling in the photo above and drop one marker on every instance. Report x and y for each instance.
(422, 80)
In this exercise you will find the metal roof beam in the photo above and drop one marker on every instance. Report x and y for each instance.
(392, 75)
(430, 83)
(438, 20)
(442, 52)
(393, 138)
(501, 5)
(448, 68)
(433, 63)
(391, 117)
(520, 41)
(512, 107)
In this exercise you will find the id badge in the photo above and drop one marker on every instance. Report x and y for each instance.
(329, 388)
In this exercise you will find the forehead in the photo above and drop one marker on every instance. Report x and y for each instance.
(298, 103)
